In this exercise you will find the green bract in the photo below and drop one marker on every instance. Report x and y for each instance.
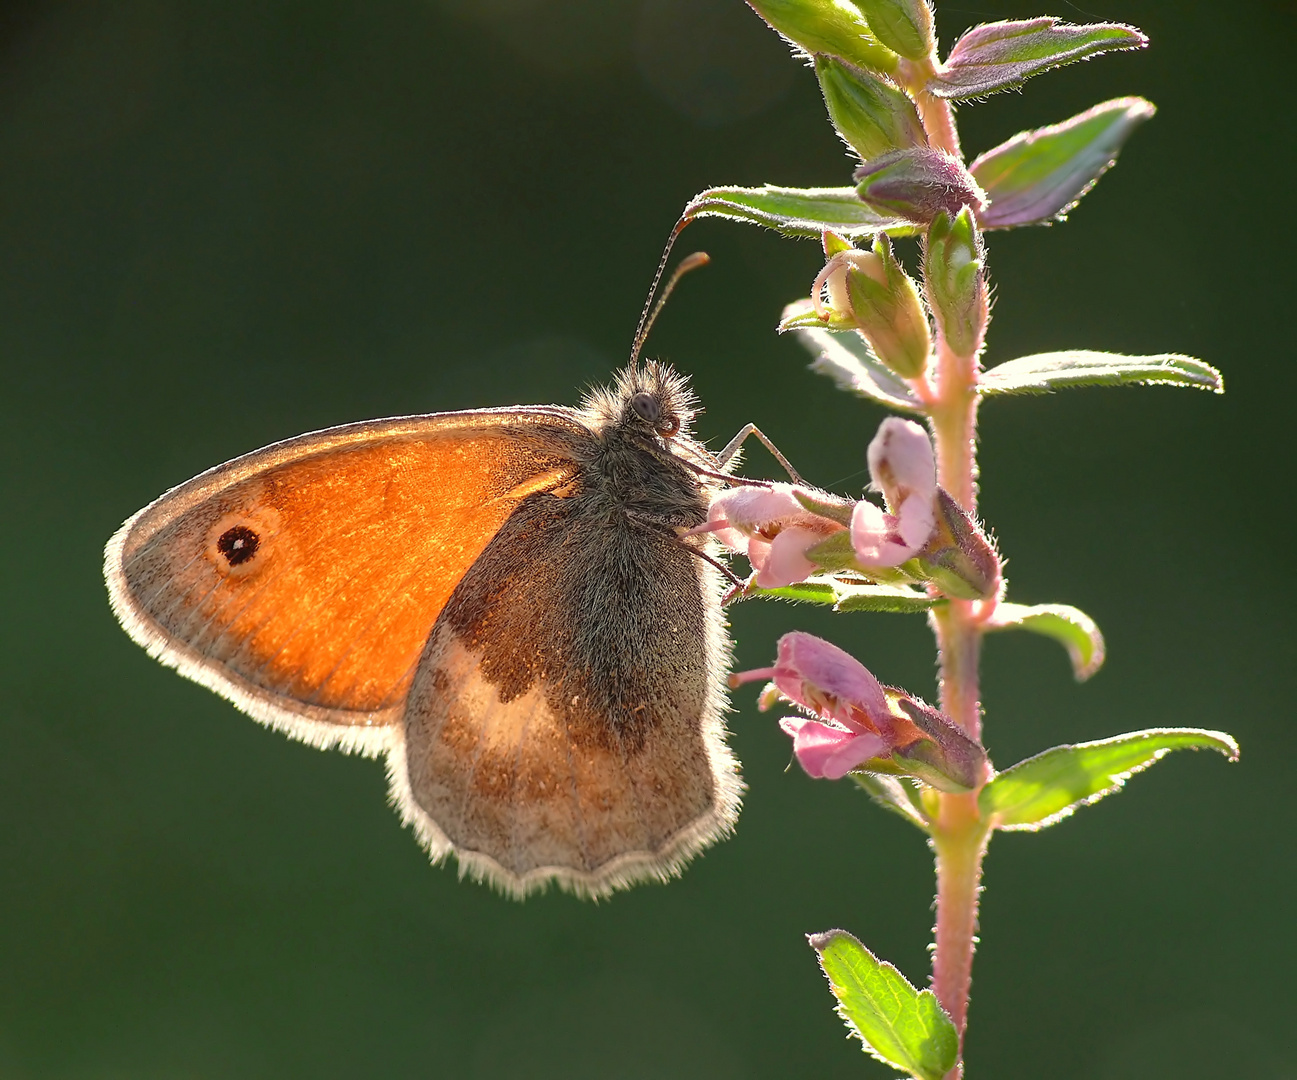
(869, 112)
(847, 359)
(904, 26)
(1071, 627)
(954, 278)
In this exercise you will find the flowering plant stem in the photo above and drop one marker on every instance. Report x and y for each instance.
(959, 836)
(873, 333)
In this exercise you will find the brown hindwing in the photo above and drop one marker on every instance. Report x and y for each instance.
(564, 721)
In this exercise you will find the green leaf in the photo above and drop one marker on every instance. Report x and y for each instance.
(904, 26)
(804, 212)
(894, 599)
(1000, 56)
(1072, 627)
(1044, 372)
(804, 592)
(1048, 787)
(1038, 176)
(827, 26)
(898, 1024)
(850, 596)
(848, 361)
(899, 794)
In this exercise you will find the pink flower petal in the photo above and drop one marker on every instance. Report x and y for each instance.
(829, 753)
(747, 508)
(916, 521)
(901, 461)
(878, 538)
(786, 561)
(805, 660)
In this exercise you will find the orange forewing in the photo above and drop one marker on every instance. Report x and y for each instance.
(360, 534)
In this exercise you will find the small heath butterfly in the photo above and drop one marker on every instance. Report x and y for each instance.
(503, 602)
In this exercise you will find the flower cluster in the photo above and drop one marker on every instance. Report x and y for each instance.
(789, 532)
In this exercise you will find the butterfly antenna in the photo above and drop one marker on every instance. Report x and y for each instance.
(651, 310)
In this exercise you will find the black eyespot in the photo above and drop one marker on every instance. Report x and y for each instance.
(646, 407)
(238, 544)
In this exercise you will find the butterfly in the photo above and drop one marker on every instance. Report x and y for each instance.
(506, 603)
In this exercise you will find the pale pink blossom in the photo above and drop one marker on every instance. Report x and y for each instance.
(903, 468)
(855, 721)
(851, 719)
(772, 528)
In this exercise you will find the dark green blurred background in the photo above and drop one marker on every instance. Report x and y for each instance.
(222, 225)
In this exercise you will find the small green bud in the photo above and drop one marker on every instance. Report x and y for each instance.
(869, 112)
(954, 276)
(882, 302)
(904, 26)
(827, 26)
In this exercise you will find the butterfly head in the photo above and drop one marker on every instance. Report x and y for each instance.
(649, 400)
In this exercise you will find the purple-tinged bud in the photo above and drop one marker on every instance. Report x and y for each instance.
(960, 558)
(871, 114)
(917, 184)
(837, 27)
(954, 279)
(904, 26)
(869, 290)
(947, 757)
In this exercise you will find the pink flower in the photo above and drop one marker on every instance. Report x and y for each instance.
(836, 687)
(902, 467)
(770, 527)
(856, 720)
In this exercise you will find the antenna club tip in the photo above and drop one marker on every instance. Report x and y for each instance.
(692, 262)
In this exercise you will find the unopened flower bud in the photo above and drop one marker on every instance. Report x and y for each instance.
(904, 26)
(917, 184)
(872, 114)
(960, 558)
(827, 26)
(954, 279)
(879, 299)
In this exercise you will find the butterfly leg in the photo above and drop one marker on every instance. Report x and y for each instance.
(732, 448)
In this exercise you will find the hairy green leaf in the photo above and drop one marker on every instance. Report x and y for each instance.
(803, 212)
(1072, 627)
(899, 794)
(898, 1024)
(1039, 176)
(1048, 787)
(1043, 372)
(1000, 56)
(850, 596)
(848, 361)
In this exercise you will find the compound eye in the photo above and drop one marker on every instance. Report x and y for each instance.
(646, 407)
